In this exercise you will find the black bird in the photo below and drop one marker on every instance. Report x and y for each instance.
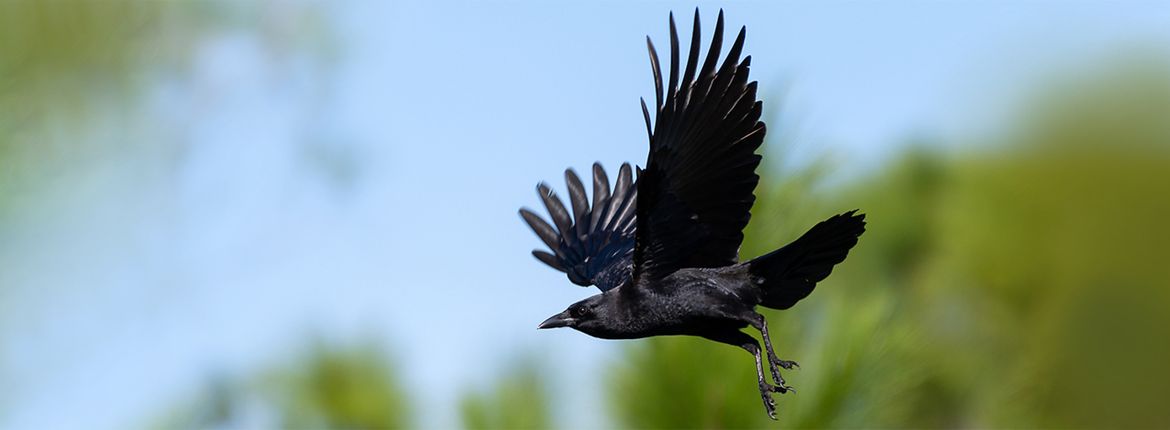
(664, 250)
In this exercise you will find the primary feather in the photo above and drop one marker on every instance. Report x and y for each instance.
(595, 245)
(697, 186)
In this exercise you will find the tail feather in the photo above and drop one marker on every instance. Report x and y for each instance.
(790, 273)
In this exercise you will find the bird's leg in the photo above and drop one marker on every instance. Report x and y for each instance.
(743, 340)
(766, 389)
(761, 324)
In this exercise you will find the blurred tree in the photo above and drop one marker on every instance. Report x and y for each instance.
(220, 403)
(60, 60)
(1054, 245)
(69, 64)
(519, 400)
(339, 388)
(327, 387)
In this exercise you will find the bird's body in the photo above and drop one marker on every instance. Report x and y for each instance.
(664, 249)
(686, 302)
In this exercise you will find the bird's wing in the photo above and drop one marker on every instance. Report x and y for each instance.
(594, 245)
(696, 189)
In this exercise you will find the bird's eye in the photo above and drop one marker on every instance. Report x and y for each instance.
(577, 311)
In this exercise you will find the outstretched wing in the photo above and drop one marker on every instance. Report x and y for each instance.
(595, 245)
(696, 190)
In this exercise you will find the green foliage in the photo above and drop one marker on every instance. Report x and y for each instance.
(67, 66)
(326, 387)
(343, 388)
(1056, 252)
(54, 54)
(694, 385)
(218, 404)
(519, 400)
(54, 48)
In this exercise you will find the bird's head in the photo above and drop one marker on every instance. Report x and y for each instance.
(590, 316)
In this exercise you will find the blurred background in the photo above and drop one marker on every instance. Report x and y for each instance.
(303, 214)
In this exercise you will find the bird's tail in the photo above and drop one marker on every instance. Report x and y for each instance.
(789, 274)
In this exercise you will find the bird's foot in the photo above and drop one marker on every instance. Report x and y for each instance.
(788, 365)
(769, 404)
(781, 386)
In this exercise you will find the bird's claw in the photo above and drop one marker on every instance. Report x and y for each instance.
(769, 403)
(781, 386)
(782, 389)
(787, 365)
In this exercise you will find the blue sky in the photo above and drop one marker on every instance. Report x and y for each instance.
(217, 246)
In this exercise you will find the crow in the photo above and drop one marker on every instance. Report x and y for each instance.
(664, 249)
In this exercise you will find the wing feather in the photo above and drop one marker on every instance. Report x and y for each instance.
(579, 202)
(594, 246)
(556, 210)
(697, 189)
(690, 204)
(545, 232)
(600, 193)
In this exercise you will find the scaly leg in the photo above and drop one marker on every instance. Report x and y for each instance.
(761, 324)
(743, 340)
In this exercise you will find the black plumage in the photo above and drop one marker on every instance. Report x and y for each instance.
(595, 246)
(664, 250)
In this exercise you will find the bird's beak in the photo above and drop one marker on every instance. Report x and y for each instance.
(559, 320)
